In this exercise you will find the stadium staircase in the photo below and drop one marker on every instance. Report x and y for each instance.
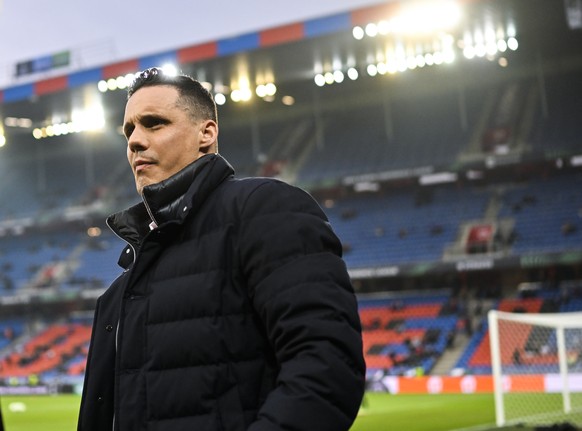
(501, 230)
(473, 149)
(407, 336)
(446, 363)
(292, 147)
(505, 123)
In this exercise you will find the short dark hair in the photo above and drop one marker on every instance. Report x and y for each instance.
(197, 99)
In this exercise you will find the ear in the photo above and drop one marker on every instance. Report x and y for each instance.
(208, 136)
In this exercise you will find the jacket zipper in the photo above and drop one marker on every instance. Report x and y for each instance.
(117, 328)
(155, 223)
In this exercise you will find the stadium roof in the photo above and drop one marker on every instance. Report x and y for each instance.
(291, 56)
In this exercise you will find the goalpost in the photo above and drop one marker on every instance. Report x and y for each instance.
(536, 362)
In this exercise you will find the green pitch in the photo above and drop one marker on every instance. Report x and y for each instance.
(381, 412)
(384, 412)
(36, 413)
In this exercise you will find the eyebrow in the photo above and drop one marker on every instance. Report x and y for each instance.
(143, 119)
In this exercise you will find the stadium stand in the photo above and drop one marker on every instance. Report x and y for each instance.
(404, 225)
(546, 213)
(406, 335)
(59, 347)
(509, 136)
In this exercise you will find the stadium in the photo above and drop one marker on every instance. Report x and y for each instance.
(441, 138)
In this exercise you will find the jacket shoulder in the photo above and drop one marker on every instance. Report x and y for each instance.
(262, 194)
(260, 185)
(250, 184)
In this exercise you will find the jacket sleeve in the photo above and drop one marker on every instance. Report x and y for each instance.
(302, 292)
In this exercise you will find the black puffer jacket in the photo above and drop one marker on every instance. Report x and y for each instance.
(235, 313)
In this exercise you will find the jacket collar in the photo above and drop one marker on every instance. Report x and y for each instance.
(171, 200)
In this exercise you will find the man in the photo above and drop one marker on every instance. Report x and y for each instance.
(235, 310)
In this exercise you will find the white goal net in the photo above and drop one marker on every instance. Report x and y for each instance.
(536, 364)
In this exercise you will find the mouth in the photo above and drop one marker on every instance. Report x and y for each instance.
(140, 165)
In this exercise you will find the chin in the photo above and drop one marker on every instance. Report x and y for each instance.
(139, 188)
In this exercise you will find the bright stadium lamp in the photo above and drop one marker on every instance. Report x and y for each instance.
(261, 90)
(512, 43)
(220, 98)
(358, 33)
(427, 17)
(170, 69)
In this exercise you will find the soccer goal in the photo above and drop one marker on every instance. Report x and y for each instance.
(536, 364)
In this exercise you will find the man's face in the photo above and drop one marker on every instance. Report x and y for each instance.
(162, 138)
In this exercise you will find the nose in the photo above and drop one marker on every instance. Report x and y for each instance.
(136, 142)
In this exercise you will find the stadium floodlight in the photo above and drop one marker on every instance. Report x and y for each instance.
(372, 30)
(102, 86)
(170, 69)
(246, 94)
(512, 43)
(372, 69)
(121, 82)
(319, 80)
(469, 52)
(236, 95)
(491, 47)
(264, 90)
(427, 17)
(129, 78)
(480, 50)
(428, 59)
(2, 140)
(112, 84)
(536, 362)
(271, 89)
(220, 98)
(358, 33)
(449, 56)
(383, 27)
(261, 90)
(411, 63)
(60, 129)
(353, 73)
